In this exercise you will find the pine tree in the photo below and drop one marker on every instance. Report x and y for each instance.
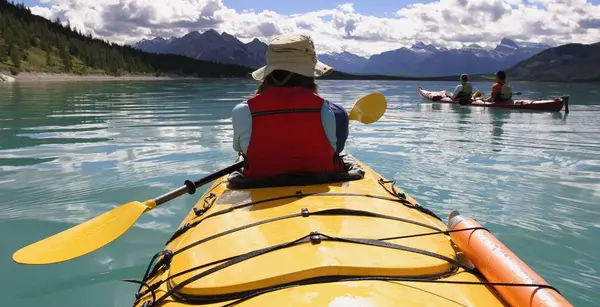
(2, 54)
(49, 61)
(15, 55)
(8, 34)
(66, 58)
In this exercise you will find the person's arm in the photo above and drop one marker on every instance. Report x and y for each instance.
(495, 92)
(328, 121)
(342, 124)
(457, 90)
(242, 127)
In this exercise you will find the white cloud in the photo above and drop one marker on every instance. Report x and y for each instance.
(42, 11)
(347, 7)
(448, 23)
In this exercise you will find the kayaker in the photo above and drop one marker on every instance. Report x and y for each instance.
(464, 91)
(286, 127)
(501, 90)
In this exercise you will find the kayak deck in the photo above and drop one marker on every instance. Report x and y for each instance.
(347, 243)
(332, 257)
(555, 104)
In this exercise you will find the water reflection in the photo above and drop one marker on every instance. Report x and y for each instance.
(499, 118)
(464, 117)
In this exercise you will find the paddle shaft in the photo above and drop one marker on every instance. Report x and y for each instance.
(190, 187)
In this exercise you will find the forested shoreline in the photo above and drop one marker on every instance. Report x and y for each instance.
(32, 43)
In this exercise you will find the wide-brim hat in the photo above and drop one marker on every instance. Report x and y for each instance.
(294, 53)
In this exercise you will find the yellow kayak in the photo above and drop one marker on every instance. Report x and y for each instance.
(357, 242)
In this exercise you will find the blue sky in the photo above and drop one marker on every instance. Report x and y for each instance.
(367, 7)
(377, 8)
(29, 2)
(360, 26)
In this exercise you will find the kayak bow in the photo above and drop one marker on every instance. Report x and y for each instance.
(356, 242)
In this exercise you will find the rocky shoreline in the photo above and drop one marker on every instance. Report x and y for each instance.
(6, 78)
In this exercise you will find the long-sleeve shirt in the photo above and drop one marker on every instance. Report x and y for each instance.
(457, 91)
(242, 126)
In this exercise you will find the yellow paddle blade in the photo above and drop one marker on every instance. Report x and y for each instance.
(83, 238)
(369, 109)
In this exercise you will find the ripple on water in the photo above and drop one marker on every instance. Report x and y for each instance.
(68, 153)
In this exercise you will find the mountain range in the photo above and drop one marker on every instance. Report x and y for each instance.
(420, 60)
(209, 46)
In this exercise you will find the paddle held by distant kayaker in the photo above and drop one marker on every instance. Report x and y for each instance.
(501, 90)
(286, 127)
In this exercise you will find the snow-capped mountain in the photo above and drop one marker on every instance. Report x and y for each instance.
(420, 60)
(210, 46)
(470, 59)
(422, 48)
(155, 45)
(344, 61)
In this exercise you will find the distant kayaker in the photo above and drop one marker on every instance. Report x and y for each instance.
(501, 90)
(463, 91)
(286, 127)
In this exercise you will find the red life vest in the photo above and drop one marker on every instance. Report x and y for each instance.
(288, 135)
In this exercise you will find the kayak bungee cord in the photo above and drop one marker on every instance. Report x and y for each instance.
(313, 238)
(298, 195)
(166, 256)
(446, 232)
(403, 196)
(211, 198)
(399, 197)
(305, 213)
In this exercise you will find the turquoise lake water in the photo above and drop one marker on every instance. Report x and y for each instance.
(70, 151)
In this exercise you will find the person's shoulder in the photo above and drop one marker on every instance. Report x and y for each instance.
(241, 107)
(334, 106)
